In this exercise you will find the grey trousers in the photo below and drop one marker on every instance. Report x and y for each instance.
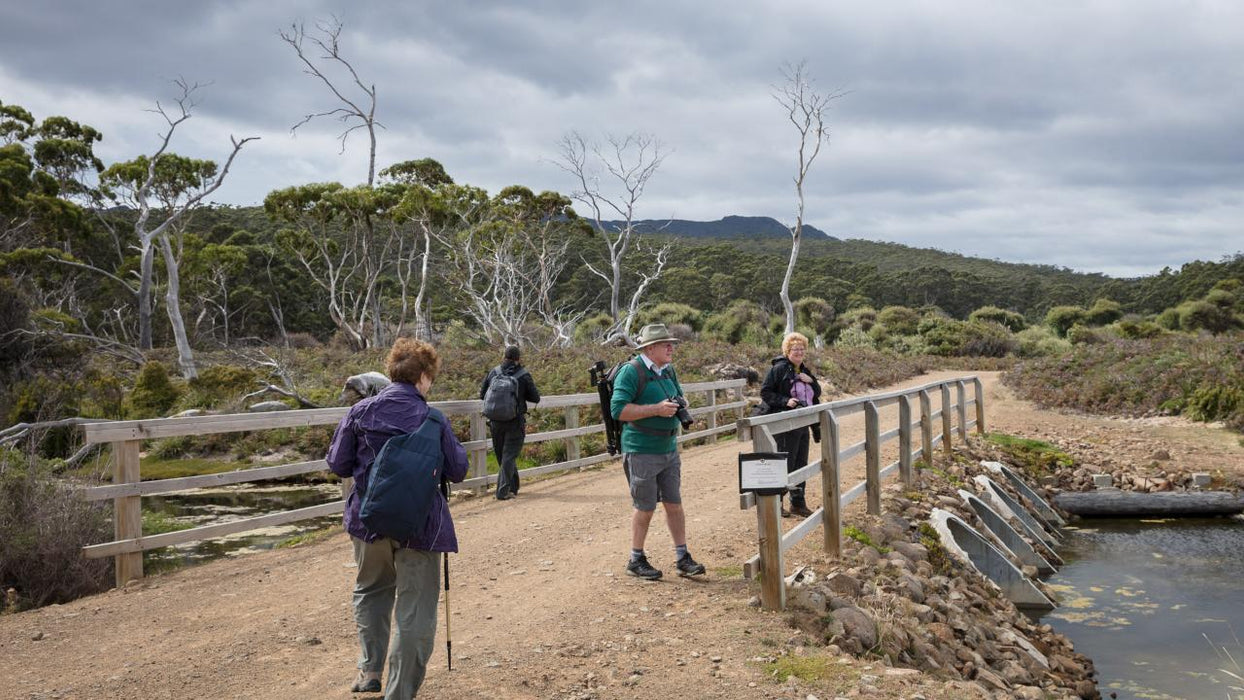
(393, 582)
(507, 444)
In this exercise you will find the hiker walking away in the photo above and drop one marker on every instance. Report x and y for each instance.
(395, 580)
(650, 458)
(790, 385)
(506, 391)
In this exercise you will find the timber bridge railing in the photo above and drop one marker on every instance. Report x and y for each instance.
(127, 488)
(763, 430)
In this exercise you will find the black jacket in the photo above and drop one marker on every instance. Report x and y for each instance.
(775, 391)
(527, 390)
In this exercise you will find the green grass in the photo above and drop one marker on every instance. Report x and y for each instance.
(862, 537)
(811, 669)
(1035, 457)
(729, 571)
(309, 537)
(154, 468)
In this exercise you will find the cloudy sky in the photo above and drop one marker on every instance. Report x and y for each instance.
(1100, 136)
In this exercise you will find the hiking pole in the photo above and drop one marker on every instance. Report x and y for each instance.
(449, 644)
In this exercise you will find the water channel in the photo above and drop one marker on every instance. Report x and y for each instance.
(1157, 604)
(229, 503)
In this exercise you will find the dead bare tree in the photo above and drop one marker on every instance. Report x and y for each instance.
(354, 110)
(628, 163)
(805, 107)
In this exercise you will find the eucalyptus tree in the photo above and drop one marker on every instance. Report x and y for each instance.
(357, 111)
(421, 206)
(805, 107)
(626, 166)
(163, 189)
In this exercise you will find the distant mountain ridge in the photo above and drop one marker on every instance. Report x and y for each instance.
(727, 227)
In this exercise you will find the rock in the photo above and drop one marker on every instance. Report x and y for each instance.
(1087, 689)
(991, 680)
(360, 386)
(265, 406)
(190, 413)
(912, 587)
(911, 550)
(857, 625)
(1028, 692)
(870, 555)
(941, 631)
(37, 636)
(1161, 456)
(843, 584)
(727, 370)
(811, 598)
(1015, 674)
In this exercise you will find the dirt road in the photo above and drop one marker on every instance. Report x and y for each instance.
(541, 606)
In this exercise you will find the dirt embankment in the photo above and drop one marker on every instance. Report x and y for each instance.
(541, 607)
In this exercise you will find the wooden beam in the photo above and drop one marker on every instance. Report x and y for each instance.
(240, 476)
(904, 441)
(873, 450)
(830, 486)
(127, 511)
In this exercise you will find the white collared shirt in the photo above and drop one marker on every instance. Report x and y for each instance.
(652, 365)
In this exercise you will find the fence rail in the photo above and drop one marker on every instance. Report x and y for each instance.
(127, 488)
(764, 430)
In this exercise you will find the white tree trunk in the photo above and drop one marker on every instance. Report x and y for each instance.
(172, 297)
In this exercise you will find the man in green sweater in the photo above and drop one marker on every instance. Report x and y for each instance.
(650, 447)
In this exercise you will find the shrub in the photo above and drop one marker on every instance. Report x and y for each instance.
(44, 523)
(459, 335)
(987, 340)
(1203, 315)
(1134, 328)
(1168, 319)
(14, 315)
(593, 328)
(898, 320)
(854, 337)
(944, 336)
(1080, 334)
(742, 321)
(814, 314)
(1103, 312)
(1062, 318)
(46, 398)
(670, 313)
(1209, 403)
(1039, 341)
(154, 393)
(220, 384)
(862, 316)
(1008, 319)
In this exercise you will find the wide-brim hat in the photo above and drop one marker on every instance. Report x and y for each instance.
(654, 333)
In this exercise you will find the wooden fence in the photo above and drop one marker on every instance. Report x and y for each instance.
(762, 430)
(127, 488)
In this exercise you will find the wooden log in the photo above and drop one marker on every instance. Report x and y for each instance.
(1106, 503)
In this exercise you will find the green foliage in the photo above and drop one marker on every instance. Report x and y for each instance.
(1080, 335)
(742, 322)
(1103, 312)
(898, 320)
(854, 533)
(1207, 316)
(1140, 377)
(44, 523)
(1209, 403)
(1062, 318)
(593, 328)
(219, 384)
(1035, 457)
(855, 337)
(938, 556)
(814, 314)
(1039, 341)
(156, 522)
(1134, 328)
(811, 669)
(1008, 319)
(671, 314)
(153, 394)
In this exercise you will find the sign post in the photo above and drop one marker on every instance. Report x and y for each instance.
(764, 474)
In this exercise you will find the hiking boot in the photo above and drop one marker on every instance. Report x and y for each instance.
(641, 568)
(800, 509)
(688, 566)
(785, 513)
(366, 682)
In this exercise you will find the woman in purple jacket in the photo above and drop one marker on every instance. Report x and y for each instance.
(395, 579)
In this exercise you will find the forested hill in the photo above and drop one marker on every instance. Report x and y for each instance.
(728, 227)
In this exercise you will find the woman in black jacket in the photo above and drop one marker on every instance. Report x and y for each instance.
(790, 385)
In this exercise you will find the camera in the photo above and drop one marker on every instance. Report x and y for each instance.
(800, 403)
(681, 414)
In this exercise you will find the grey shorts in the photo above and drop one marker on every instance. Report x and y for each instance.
(653, 478)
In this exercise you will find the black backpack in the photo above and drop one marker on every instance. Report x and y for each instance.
(501, 399)
(402, 486)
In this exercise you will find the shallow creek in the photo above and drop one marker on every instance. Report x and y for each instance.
(229, 503)
(1157, 604)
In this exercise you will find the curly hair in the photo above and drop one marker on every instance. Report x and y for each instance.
(791, 339)
(410, 359)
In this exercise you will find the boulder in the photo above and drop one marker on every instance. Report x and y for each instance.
(857, 625)
(361, 386)
(265, 406)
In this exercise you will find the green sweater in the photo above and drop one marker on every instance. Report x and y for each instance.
(657, 390)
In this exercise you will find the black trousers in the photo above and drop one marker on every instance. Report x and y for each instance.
(507, 444)
(795, 444)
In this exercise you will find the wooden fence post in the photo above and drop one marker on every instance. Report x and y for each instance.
(961, 407)
(926, 427)
(946, 420)
(979, 387)
(738, 398)
(479, 458)
(572, 443)
(831, 496)
(904, 440)
(712, 415)
(769, 534)
(872, 449)
(127, 511)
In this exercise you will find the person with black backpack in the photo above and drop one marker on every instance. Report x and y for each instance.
(384, 438)
(506, 391)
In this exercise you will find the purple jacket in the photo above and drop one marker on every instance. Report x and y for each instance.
(398, 409)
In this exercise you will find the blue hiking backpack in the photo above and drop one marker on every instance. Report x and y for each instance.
(402, 486)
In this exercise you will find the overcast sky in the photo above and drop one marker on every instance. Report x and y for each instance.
(1100, 136)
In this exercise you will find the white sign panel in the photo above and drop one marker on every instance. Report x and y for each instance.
(763, 472)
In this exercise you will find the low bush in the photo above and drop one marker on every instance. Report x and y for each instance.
(44, 523)
(154, 392)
